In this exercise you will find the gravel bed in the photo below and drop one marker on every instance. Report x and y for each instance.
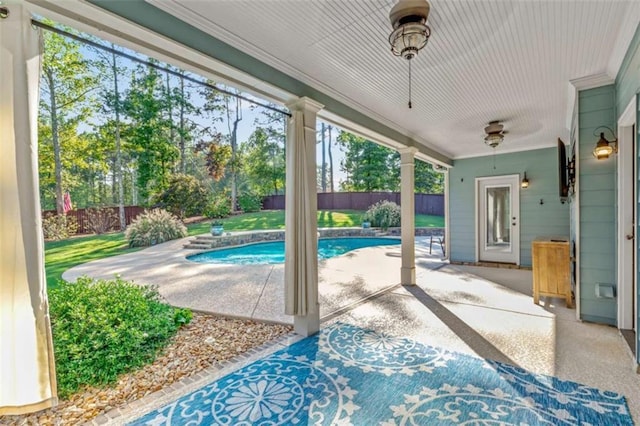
(206, 340)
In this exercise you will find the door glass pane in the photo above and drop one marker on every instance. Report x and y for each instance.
(498, 217)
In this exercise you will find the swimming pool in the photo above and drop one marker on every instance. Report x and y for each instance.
(273, 251)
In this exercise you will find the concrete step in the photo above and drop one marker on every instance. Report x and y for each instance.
(198, 244)
(204, 238)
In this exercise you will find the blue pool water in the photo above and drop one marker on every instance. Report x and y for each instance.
(273, 251)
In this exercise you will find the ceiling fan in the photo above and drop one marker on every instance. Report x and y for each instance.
(495, 134)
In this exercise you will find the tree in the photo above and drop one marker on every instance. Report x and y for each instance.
(369, 166)
(225, 108)
(180, 98)
(184, 196)
(323, 161)
(145, 105)
(112, 105)
(372, 167)
(76, 153)
(330, 153)
(264, 163)
(265, 152)
(326, 136)
(233, 119)
(216, 156)
(428, 180)
(97, 156)
(67, 81)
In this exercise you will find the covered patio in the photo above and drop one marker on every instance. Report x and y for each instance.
(487, 98)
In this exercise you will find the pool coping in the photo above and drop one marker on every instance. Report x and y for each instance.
(209, 242)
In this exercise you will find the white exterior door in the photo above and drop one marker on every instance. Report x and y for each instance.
(498, 212)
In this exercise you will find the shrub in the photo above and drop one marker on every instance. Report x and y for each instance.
(102, 220)
(383, 214)
(154, 227)
(185, 196)
(59, 226)
(103, 328)
(182, 316)
(250, 202)
(219, 206)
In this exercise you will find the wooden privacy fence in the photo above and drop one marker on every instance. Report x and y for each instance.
(82, 218)
(432, 204)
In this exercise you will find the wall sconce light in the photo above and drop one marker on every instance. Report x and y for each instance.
(525, 181)
(605, 148)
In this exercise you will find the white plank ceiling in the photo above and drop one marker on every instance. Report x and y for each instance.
(486, 60)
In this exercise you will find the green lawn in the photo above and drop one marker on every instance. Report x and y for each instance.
(428, 221)
(274, 219)
(62, 255)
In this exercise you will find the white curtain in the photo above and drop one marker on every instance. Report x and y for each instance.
(27, 372)
(301, 233)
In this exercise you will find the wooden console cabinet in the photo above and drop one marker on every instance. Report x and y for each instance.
(551, 268)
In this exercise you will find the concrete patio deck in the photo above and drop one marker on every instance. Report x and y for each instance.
(256, 291)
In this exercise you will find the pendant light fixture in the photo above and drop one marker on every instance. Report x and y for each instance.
(410, 31)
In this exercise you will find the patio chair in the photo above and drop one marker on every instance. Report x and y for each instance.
(439, 239)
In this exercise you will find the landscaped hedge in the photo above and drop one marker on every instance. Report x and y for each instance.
(103, 328)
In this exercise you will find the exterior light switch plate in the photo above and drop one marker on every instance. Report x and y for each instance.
(605, 291)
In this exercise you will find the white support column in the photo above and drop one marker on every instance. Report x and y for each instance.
(407, 214)
(447, 223)
(301, 220)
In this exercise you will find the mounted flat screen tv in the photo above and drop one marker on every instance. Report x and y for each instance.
(563, 186)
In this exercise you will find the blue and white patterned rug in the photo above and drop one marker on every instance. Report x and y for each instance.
(347, 375)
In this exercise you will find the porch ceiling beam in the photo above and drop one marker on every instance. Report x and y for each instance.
(163, 23)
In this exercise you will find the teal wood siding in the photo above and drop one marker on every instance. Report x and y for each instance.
(597, 213)
(628, 78)
(549, 218)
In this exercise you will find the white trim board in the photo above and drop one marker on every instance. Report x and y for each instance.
(627, 199)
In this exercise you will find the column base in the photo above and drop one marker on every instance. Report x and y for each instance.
(408, 275)
(307, 325)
